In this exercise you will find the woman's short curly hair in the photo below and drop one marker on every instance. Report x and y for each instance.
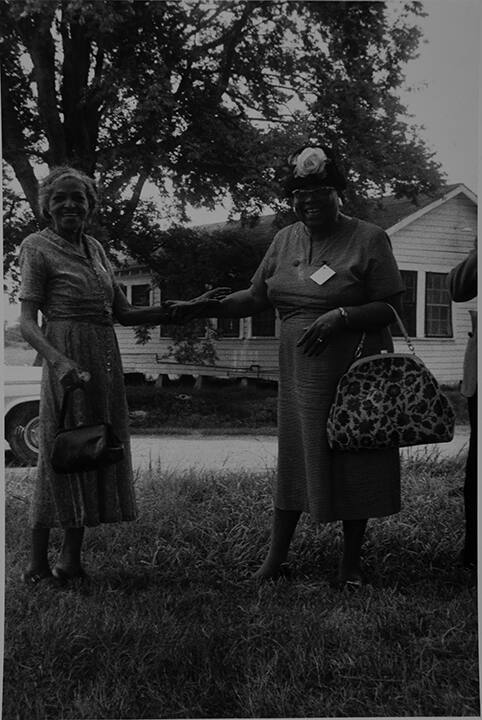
(58, 173)
(333, 174)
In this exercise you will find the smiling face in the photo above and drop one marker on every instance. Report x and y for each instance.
(68, 206)
(316, 206)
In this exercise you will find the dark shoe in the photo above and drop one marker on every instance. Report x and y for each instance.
(283, 573)
(64, 577)
(32, 577)
(351, 583)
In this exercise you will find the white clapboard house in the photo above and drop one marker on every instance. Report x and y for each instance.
(428, 240)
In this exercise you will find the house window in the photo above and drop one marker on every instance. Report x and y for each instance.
(228, 327)
(141, 295)
(438, 317)
(409, 305)
(264, 324)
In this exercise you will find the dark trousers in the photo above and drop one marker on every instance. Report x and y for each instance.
(470, 487)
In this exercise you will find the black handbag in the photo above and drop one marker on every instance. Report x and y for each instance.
(84, 447)
(388, 400)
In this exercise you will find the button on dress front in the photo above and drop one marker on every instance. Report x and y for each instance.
(311, 477)
(74, 288)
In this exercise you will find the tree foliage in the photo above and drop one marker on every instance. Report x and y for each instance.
(203, 99)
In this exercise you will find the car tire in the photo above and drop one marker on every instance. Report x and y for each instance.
(21, 432)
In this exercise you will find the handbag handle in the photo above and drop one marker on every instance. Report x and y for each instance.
(360, 345)
(402, 328)
(65, 401)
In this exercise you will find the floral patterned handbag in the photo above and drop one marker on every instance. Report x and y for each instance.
(388, 400)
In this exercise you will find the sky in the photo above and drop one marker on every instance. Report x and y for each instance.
(447, 75)
(441, 91)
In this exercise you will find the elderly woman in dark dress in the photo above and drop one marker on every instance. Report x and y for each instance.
(330, 276)
(67, 276)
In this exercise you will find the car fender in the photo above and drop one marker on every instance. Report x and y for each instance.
(11, 403)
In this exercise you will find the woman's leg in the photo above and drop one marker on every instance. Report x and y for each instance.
(38, 567)
(353, 534)
(284, 525)
(69, 563)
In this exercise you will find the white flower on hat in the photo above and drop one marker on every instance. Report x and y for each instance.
(309, 161)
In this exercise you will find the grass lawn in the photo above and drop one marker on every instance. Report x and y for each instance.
(172, 627)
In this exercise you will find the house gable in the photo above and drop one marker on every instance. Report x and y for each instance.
(428, 238)
(428, 207)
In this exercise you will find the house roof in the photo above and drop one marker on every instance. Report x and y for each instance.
(388, 213)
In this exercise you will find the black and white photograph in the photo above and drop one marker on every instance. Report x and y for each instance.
(239, 358)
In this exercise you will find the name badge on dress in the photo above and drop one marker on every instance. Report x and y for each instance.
(323, 274)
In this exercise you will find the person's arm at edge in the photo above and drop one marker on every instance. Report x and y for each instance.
(462, 279)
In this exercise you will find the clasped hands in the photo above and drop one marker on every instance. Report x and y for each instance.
(315, 337)
(205, 305)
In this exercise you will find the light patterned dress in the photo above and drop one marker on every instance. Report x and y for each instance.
(75, 292)
(310, 477)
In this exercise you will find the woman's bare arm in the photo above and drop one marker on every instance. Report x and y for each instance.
(369, 316)
(241, 303)
(126, 314)
(374, 314)
(68, 371)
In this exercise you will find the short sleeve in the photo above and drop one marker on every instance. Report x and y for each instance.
(266, 267)
(383, 276)
(33, 272)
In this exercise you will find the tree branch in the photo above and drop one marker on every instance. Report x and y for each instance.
(131, 205)
(35, 32)
(14, 151)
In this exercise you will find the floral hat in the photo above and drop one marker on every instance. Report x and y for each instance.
(313, 165)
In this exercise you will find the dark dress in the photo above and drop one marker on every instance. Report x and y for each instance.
(75, 292)
(310, 477)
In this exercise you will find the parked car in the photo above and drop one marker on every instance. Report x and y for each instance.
(21, 407)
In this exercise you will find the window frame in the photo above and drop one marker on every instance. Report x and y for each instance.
(448, 305)
(275, 334)
(140, 284)
(222, 337)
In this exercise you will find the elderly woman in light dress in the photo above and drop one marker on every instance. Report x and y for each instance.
(67, 276)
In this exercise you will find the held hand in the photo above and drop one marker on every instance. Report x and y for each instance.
(182, 311)
(204, 305)
(316, 337)
(70, 374)
(218, 293)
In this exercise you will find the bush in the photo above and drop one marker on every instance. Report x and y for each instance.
(216, 405)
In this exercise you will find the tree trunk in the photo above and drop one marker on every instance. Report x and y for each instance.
(15, 154)
(35, 31)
